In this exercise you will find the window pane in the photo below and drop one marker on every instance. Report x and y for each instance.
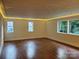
(74, 26)
(30, 26)
(63, 26)
(10, 26)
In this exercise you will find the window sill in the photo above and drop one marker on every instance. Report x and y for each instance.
(68, 33)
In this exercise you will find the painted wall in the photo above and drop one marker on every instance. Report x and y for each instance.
(21, 32)
(65, 38)
(1, 33)
(0, 30)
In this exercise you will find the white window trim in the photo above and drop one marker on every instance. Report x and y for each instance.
(68, 27)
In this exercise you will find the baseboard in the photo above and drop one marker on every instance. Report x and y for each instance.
(25, 39)
(64, 43)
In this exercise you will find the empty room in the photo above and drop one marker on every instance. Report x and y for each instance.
(39, 29)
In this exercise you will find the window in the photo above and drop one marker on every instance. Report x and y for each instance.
(30, 26)
(68, 27)
(62, 26)
(74, 27)
(10, 26)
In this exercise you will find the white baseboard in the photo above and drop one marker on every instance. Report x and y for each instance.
(22, 38)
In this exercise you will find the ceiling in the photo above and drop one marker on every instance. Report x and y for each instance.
(40, 8)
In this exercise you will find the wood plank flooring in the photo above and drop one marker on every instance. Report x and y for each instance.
(37, 49)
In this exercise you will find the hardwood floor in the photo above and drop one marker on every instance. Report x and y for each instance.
(37, 49)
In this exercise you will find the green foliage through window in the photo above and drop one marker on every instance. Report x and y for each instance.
(63, 26)
(74, 26)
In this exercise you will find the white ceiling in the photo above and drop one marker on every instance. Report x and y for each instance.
(40, 8)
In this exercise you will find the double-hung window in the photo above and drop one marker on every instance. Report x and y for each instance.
(30, 26)
(10, 27)
(74, 27)
(62, 26)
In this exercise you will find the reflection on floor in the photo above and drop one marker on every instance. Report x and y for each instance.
(38, 49)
